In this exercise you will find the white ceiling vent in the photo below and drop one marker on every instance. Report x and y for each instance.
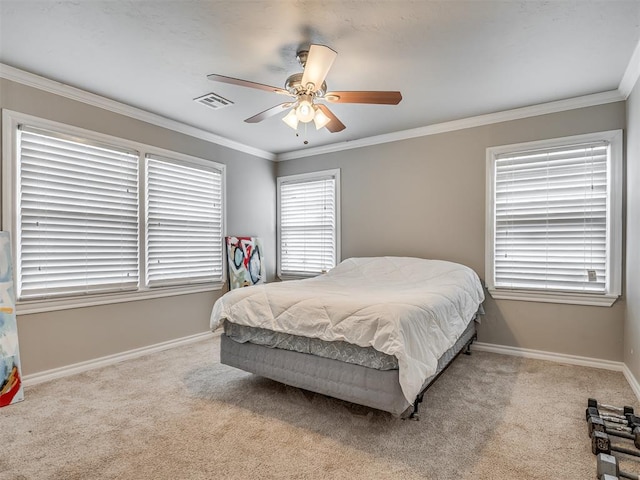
(214, 101)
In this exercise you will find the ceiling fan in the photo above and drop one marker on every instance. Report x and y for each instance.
(307, 88)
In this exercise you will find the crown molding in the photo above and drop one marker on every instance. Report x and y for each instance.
(631, 74)
(32, 80)
(478, 121)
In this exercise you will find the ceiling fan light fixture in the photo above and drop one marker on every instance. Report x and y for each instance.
(308, 86)
(291, 119)
(305, 110)
(320, 119)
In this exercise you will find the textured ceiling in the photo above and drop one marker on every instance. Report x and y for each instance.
(450, 59)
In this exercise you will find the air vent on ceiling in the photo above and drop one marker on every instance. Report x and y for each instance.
(214, 101)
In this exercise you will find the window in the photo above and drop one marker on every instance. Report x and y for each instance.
(554, 220)
(308, 223)
(96, 219)
(184, 222)
(78, 211)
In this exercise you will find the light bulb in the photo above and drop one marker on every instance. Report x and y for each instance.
(291, 119)
(320, 119)
(305, 111)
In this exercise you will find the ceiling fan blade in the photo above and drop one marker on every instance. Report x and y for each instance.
(379, 98)
(247, 83)
(334, 125)
(319, 61)
(270, 112)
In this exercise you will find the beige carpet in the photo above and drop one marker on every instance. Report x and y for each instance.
(179, 414)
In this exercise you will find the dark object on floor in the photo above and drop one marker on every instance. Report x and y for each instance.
(592, 402)
(597, 423)
(628, 419)
(614, 417)
(600, 443)
(608, 468)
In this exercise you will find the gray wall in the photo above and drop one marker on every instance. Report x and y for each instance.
(55, 339)
(420, 197)
(425, 197)
(632, 314)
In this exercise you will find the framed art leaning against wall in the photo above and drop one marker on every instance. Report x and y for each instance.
(245, 261)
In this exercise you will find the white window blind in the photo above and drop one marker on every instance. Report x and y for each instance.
(551, 219)
(184, 222)
(308, 224)
(78, 216)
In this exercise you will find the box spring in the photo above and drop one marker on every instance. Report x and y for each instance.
(378, 389)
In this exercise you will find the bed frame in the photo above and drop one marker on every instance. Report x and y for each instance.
(373, 388)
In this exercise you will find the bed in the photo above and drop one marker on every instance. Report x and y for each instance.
(375, 331)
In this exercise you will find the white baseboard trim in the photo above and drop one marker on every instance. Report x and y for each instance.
(55, 373)
(633, 383)
(552, 357)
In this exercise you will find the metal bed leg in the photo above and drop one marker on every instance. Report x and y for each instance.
(416, 405)
(467, 347)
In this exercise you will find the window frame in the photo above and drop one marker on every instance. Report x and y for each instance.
(74, 164)
(302, 178)
(10, 215)
(613, 288)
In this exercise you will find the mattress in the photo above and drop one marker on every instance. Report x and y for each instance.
(338, 350)
(354, 383)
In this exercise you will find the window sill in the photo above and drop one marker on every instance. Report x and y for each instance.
(596, 300)
(289, 276)
(52, 304)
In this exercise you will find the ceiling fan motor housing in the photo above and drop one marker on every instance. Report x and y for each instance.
(294, 86)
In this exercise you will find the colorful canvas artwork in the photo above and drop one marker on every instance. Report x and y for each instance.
(11, 390)
(245, 261)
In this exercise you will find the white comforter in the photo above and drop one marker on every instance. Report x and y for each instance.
(411, 308)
